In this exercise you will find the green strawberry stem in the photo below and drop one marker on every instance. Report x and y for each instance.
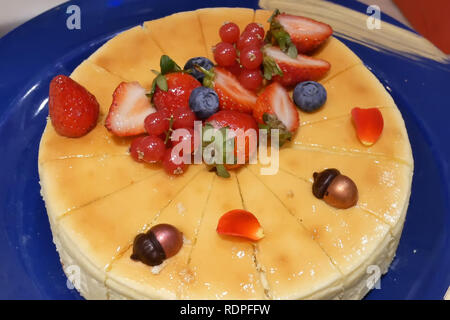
(167, 65)
(271, 121)
(271, 67)
(277, 34)
(208, 80)
(169, 132)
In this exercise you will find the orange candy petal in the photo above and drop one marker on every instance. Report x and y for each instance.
(368, 123)
(240, 223)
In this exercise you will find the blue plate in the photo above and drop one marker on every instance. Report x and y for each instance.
(43, 47)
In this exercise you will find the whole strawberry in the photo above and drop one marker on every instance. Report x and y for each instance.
(73, 110)
(171, 87)
(176, 95)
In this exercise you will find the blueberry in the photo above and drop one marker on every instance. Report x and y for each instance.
(201, 61)
(204, 102)
(309, 96)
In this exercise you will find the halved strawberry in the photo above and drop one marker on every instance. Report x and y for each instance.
(369, 124)
(232, 95)
(293, 71)
(245, 145)
(274, 105)
(306, 34)
(240, 223)
(129, 108)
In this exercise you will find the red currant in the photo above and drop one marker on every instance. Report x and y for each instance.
(183, 118)
(248, 39)
(173, 163)
(251, 79)
(225, 54)
(255, 28)
(149, 149)
(251, 57)
(235, 69)
(156, 123)
(229, 32)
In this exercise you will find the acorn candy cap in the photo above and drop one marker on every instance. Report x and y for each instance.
(159, 243)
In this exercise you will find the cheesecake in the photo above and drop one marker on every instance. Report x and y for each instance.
(98, 198)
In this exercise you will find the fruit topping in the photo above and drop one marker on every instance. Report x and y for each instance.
(179, 88)
(369, 124)
(251, 57)
(183, 118)
(335, 189)
(173, 162)
(204, 102)
(251, 79)
(225, 54)
(73, 110)
(156, 123)
(129, 108)
(249, 39)
(199, 61)
(255, 28)
(275, 109)
(229, 32)
(156, 245)
(232, 95)
(240, 128)
(148, 149)
(309, 96)
(293, 70)
(305, 33)
(240, 223)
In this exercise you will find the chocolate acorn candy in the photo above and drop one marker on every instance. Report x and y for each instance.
(158, 244)
(335, 189)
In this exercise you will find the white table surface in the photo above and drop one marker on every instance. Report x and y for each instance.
(15, 12)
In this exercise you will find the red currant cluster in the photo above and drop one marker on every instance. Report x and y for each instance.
(241, 53)
(157, 146)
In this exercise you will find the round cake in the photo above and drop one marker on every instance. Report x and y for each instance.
(98, 198)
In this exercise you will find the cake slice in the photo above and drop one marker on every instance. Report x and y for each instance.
(107, 227)
(383, 184)
(88, 179)
(339, 135)
(179, 35)
(99, 141)
(131, 55)
(351, 237)
(293, 263)
(223, 267)
(136, 280)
